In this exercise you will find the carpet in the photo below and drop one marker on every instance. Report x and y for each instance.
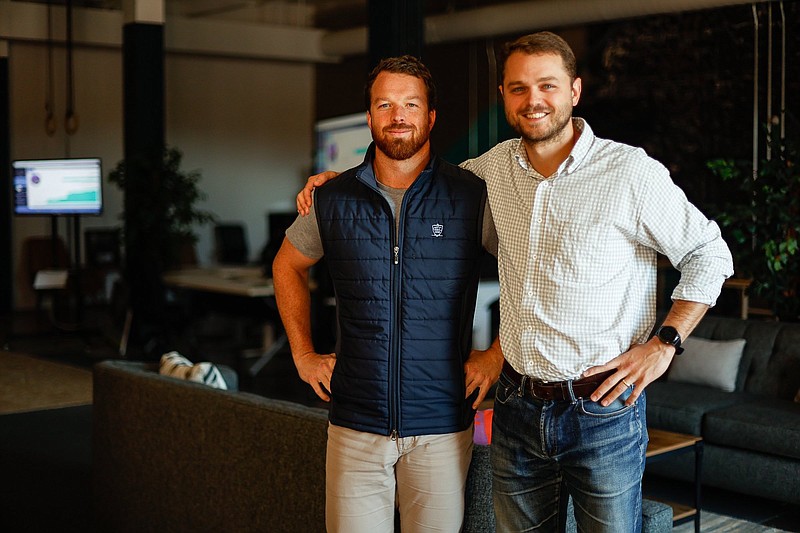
(715, 523)
(30, 384)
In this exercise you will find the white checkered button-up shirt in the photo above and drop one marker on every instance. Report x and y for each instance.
(577, 254)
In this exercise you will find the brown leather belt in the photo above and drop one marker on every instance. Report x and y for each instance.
(556, 390)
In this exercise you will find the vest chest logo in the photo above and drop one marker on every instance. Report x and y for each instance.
(437, 230)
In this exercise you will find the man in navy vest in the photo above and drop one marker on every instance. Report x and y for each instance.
(402, 234)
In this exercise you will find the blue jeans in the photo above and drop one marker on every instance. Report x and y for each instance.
(543, 451)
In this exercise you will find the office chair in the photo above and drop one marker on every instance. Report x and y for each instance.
(102, 262)
(102, 247)
(231, 244)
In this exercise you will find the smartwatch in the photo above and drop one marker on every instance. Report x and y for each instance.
(670, 335)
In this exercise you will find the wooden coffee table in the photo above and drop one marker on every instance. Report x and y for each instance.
(666, 444)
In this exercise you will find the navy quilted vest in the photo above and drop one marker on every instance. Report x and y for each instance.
(404, 308)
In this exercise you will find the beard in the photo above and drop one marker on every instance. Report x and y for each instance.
(545, 133)
(402, 149)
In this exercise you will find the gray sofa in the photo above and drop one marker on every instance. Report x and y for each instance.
(752, 434)
(172, 455)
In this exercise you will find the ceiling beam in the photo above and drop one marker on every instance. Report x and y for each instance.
(28, 21)
(517, 18)
(22, 21)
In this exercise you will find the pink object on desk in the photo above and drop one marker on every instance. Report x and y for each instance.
(483, 427)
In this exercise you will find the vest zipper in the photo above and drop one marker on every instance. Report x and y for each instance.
(394, 356)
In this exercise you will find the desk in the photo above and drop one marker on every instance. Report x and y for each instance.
(247, 282)
(238, 281)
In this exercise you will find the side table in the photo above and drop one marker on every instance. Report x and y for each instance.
(665, 444)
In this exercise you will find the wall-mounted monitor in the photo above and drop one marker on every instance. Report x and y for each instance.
(58, 186)
(341, 142)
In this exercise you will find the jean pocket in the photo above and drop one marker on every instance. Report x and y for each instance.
(615, 408)
(506, 390)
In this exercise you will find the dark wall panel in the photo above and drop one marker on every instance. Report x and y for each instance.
(5, 189)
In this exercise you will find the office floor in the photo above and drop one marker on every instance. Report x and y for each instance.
(97, 339)
(215, 338)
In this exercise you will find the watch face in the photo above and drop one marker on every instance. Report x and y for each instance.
(669, 335)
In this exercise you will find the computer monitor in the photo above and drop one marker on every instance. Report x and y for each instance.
(341, 142)
(277, 224)
(58, 186)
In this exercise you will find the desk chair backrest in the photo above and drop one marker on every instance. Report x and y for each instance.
(102, 247)
(231, 244)
(43, 253)
(40, 254)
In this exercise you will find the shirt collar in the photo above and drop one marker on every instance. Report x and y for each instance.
(576, 156)
(582, 147)
(366, 172)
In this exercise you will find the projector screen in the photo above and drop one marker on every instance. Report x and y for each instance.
(341, 142)
(58, 187)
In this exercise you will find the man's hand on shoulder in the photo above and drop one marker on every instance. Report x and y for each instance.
(304, 198)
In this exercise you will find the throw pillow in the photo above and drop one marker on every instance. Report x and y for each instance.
(175, 365)
(706, 362)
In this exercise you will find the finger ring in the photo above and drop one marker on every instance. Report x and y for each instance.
(626, 383)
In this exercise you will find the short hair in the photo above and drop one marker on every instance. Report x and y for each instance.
(543, 42)
(405, 64)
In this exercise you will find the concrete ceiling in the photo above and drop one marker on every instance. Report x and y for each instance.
(316, 30)
(323, 14)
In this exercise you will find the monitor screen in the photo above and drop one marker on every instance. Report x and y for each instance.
(58, 187)
(341, 142)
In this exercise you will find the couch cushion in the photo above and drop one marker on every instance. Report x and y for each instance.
(479, 510)
(680, 407)
(776, 423)
(776, 373)
(707, 362)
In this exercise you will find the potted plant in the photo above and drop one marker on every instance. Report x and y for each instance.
(761, 222)
(159, 216)
(165, 215)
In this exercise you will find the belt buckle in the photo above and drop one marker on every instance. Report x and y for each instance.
(532, 387)
(526, 385)
(533, 392)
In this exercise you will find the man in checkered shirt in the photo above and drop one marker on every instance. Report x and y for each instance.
(580, 221)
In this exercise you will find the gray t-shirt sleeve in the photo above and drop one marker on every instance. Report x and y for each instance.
(304, 235)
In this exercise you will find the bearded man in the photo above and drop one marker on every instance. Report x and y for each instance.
(403, 235)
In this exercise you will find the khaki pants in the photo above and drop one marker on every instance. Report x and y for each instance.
(365, 471)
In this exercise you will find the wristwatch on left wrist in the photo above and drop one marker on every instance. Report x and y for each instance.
(670, 335)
